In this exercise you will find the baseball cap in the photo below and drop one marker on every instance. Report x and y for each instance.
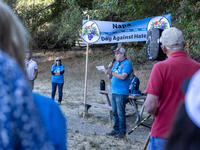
(172, 38)
(192, 98)
(58, 58)
(120, 50)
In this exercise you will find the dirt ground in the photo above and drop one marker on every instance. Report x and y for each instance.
(90, 132)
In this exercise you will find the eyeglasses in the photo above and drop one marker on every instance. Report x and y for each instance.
(58, 60)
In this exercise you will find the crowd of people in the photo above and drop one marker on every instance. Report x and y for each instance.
(32, 121)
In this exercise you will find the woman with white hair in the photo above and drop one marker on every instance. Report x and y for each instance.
(57, 72)
(21, 126)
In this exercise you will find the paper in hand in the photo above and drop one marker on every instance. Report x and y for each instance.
(100, 68)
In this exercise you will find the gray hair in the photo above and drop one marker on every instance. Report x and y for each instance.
(13, 36)
(58, 58)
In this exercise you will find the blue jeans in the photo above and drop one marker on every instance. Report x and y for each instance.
(60, 87)
(157, 143)
(118, 109)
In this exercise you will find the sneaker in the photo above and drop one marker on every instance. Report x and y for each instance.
(120, 135)
(112, 133)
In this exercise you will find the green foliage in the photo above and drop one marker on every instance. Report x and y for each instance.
(69, 24)
(137, 56)
(94, 144)
(60, 21)
(50, 20)
(190, 24)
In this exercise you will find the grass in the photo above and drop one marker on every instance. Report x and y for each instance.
(94, 144)
(76, 131)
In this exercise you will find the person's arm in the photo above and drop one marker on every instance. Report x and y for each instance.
(122, 76)
(151, 104)
(52, 72)
(109, 73)
(109, 70)
(62, 72)
(36, 73)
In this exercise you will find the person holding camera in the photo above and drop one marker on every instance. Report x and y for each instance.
(164, 93)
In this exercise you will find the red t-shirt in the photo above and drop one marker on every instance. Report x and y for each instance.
(165, 82)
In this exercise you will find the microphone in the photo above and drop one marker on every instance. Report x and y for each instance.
(113, 61)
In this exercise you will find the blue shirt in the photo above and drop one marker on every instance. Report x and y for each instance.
(121, 86)
(58, 78)
(133, 80)
(54, 121)
(21, 126)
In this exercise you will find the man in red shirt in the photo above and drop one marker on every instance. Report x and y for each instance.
(164, 87)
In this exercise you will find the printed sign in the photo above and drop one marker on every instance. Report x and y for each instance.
(101, 32)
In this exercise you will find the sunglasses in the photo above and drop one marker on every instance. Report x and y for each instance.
(58, 60)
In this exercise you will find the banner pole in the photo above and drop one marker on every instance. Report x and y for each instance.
(86, 68)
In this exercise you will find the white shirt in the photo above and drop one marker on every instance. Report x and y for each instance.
(30, 68)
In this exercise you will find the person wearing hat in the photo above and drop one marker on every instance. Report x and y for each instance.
(185, 134)
(164, 93)
(57, 72)
(31, 69)
(119, 73)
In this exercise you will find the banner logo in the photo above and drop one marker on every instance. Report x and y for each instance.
(159, 22)
(91, 32)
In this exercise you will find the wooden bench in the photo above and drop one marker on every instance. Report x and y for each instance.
(104, 106)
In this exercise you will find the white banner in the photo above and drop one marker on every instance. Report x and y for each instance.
(101, 32)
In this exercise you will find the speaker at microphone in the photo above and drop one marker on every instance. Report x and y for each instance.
(153, 49)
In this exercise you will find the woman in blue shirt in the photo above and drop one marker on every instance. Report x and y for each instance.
(57, 72)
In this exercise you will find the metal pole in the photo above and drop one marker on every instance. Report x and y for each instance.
(86, 68)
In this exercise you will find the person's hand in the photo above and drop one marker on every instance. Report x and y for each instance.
(110, 65)
(107, 71)
(34, 78)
